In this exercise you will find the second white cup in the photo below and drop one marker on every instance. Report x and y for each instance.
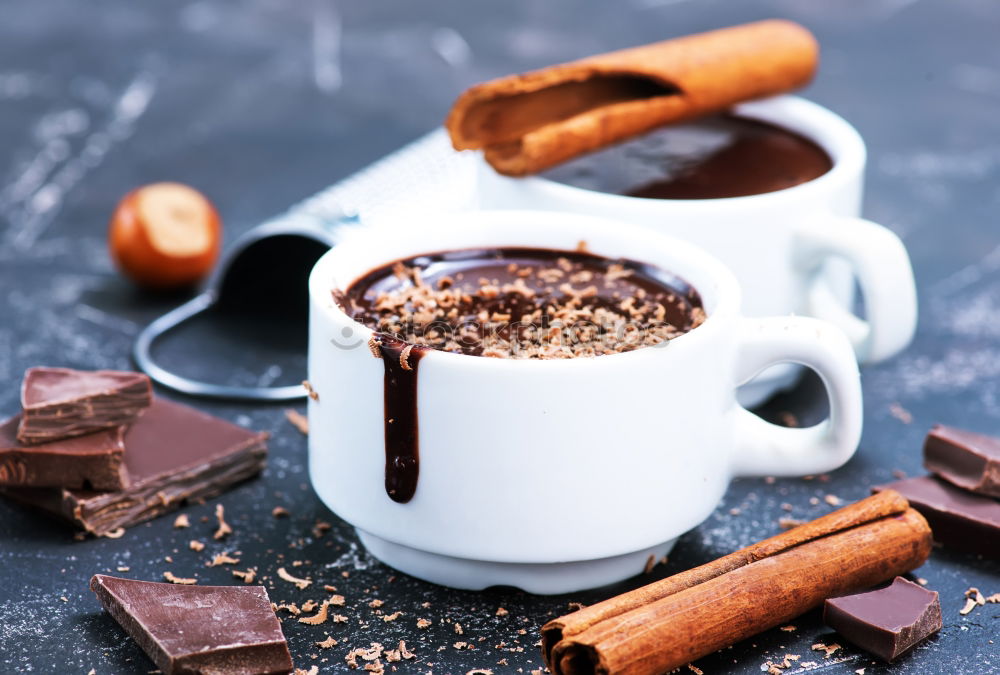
(794, 251)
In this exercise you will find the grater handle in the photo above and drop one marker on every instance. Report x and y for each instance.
(142, 353)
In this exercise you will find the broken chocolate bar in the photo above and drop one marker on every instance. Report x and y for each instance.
(94, 461)
(886, 622)
(60, 402)
(198, 629)
(960, 520)
(963, 458)
(173, 454)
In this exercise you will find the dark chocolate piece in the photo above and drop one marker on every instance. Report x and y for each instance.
(963, 458)
(93, 461)
(886, 622)
(198, 629)
(60, 402)
(173, 454)
(960, 520)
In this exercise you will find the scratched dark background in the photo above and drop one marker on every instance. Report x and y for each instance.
(261, 103)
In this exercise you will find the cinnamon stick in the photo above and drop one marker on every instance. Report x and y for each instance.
(530, 122)
(679, 619)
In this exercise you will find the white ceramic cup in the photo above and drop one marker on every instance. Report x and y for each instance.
(558, 475)
(794, 251)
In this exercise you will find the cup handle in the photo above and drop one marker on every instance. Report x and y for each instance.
(765, 449)
(883, 271)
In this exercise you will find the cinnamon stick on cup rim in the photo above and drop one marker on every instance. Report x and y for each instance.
(530, 122)
(679, 619)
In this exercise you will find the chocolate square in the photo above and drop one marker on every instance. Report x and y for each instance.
(173, 454)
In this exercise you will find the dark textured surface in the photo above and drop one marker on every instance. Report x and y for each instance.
(262, 103)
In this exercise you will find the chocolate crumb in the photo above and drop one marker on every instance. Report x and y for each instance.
(310, 391)
(789, 523)
(828, 649)
(458, 629)
(182, 521)
(574, 606)
(224, 530)
(391, 617)
(319, 617)
(900, 413)
(298, 420)
(309, 605)
(788, 629)
(502, 612)
(280, 512)
(833, 500)
(696, 670)
(115, 533)
(169, 576)
(222, 559)
(973, 599)
(423, 623)
(289, 607)
(650, 564)
(331, 589)
(375, 604)
(196, 545)
(404, 652)
(327, 643)
(299, 583)
(338, 601)
(247, 577)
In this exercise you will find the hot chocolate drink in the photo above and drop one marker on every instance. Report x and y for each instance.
(516, 303)
(715, 157)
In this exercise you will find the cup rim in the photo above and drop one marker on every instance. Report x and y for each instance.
(838, 138)
(717, 282)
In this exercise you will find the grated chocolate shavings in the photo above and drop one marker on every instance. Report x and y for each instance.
(169, 576)
(299, 583)
(223, 530)
(327, 643)
(298, 420)
(319, 617)
(247, 577)
(182, 521)
(900, 413)
(973, 599)
(309, 390)
(828, 650)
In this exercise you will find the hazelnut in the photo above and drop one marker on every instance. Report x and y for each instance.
(165, 235)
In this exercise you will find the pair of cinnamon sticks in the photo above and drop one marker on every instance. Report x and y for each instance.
(674, 621)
